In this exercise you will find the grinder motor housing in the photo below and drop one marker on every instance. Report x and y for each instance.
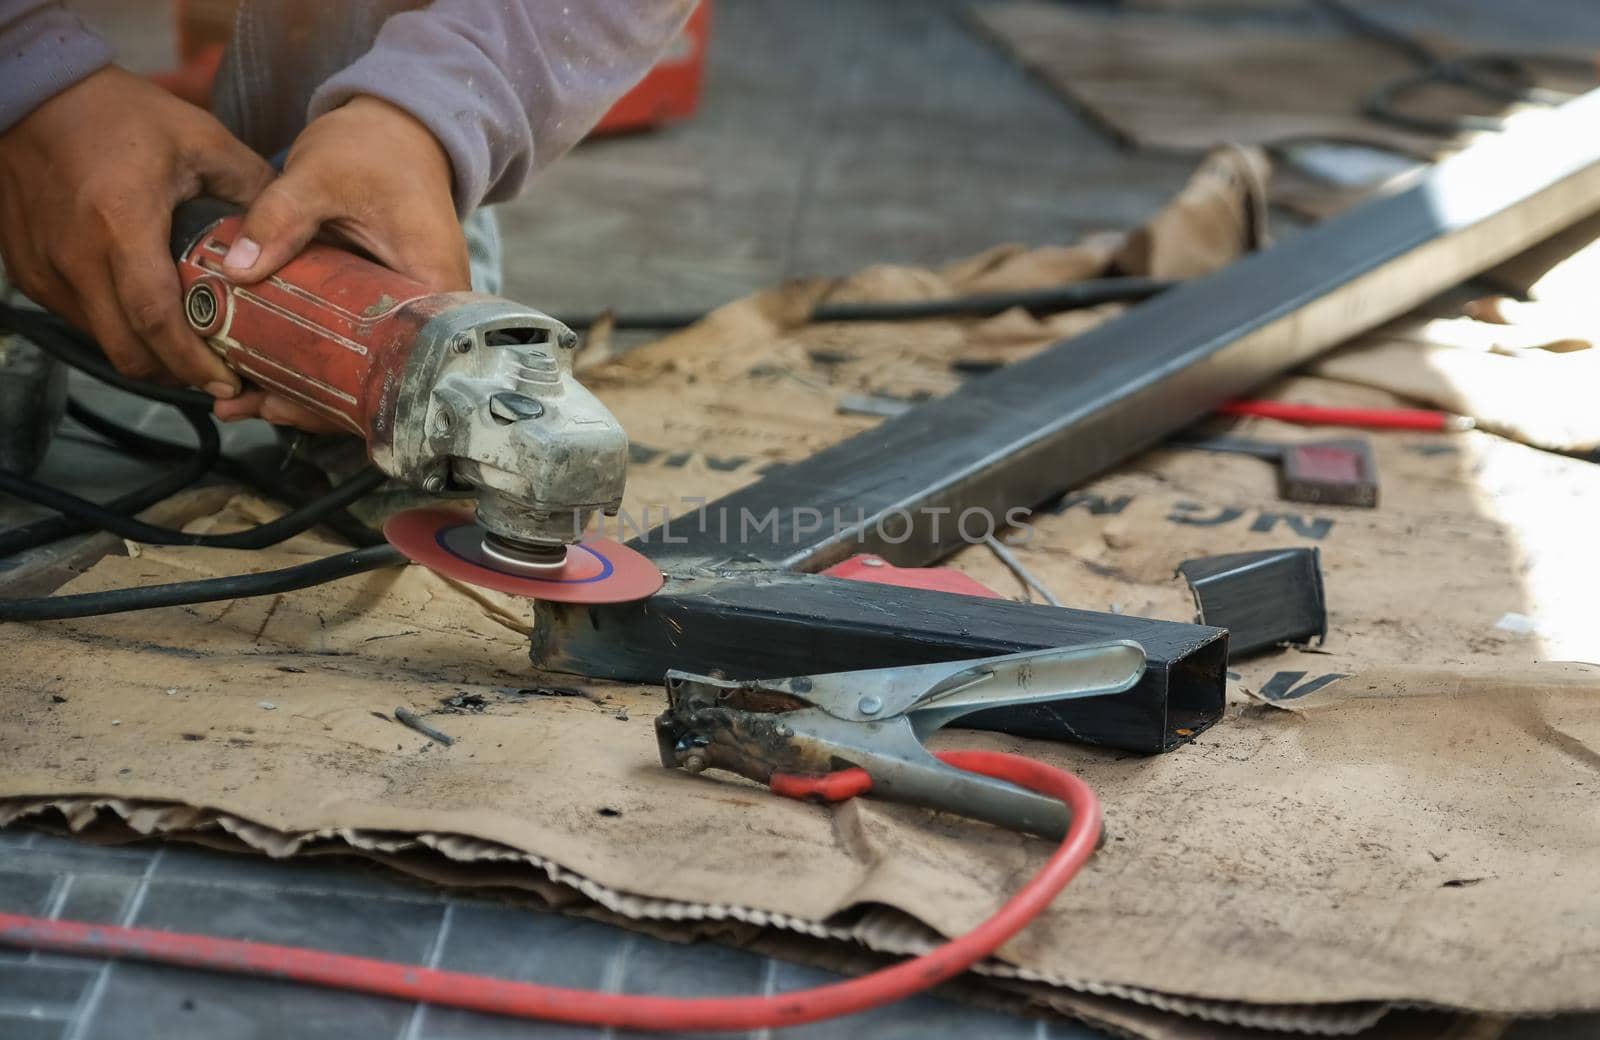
(453, 392)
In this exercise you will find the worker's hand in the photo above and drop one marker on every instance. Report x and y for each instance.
(88, 183)
(367, 174)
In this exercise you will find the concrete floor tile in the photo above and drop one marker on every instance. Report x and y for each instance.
(913, 1019)
(97, 899)
(42, 991)
(147, 1002)
(23, 891)
(32, 1028)
(363, 925)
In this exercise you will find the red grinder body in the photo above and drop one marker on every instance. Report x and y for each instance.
(330, 330)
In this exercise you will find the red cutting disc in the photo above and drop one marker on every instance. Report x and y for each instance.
(449, 541)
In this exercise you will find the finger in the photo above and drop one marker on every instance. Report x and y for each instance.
(246, 406)
(254, 404)
(104, 319)
(151, 296)
(22, 265)
(33, 275)
(230, 170)
(278, 224)
(280, 411)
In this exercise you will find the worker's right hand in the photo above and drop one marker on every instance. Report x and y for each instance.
(88, 183)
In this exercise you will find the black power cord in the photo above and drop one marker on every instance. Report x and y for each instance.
(278, 485)
(194, 466)
(1495, 75)
(61, 341)
(69, 346)
(208, 590)
(1038, 302)
(259, 537)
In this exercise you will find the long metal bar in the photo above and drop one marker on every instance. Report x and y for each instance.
(1029, 431)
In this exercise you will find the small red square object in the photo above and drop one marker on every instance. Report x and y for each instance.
(875, 569)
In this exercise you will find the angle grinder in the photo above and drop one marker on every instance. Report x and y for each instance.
(459, 394)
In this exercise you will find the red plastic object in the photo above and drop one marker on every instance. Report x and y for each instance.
(867, 567)
(1364, 418)
(449, 541)
(625, 1010)
(670, 92)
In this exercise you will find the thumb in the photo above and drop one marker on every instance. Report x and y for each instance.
(277, 226)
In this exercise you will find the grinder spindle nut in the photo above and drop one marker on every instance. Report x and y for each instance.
(205, 306)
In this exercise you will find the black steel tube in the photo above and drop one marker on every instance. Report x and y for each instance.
(771, 625)
(1027, 432)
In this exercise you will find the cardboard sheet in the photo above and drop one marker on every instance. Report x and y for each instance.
(1168, 82)
(1523, 366)
(1187, 75)
(1405, 815)
(1298, 852)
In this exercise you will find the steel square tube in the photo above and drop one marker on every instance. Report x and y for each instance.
(1032, 430)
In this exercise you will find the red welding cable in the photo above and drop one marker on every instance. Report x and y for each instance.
(624, 1011)
(1366, 418)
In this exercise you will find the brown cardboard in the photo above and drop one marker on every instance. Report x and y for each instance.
(1405, 815)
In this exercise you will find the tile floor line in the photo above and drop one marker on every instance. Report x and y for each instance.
(413, 1027)
(769, 986)
(59, 890)
(85, 1012)
(616, 971)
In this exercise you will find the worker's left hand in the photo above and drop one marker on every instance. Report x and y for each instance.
(367, 174)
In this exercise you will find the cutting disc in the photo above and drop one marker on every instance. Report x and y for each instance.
(449, 541)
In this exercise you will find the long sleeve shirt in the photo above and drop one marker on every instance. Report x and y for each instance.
(506, 86)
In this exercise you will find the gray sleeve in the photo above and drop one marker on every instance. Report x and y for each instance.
(508, 86)
(44, 49)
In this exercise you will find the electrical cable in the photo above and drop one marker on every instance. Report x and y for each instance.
(134, 441)
(259, 537)
(267, 483)
(1495, 75)
(617, 1010)
(205, 590)
(64, 343)
(1050, 300)
(50, 529)
(67, 345)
